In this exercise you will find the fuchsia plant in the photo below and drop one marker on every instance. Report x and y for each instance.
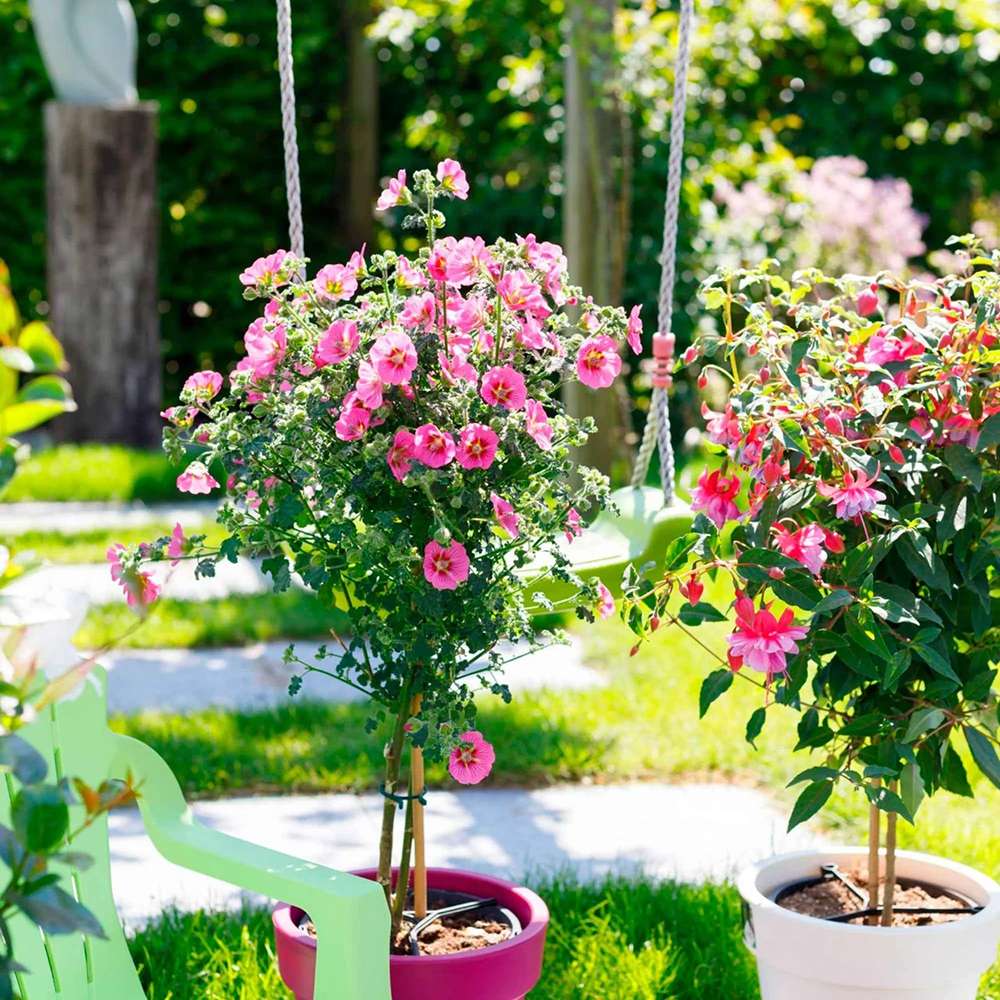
(855, 520)
(395, 438)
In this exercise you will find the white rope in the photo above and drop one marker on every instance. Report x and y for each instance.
(289, 133)
(657, 430)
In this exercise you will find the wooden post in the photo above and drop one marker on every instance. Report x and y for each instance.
(102, 263)
(419, 841)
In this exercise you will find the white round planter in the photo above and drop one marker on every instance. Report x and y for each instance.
(804, 958)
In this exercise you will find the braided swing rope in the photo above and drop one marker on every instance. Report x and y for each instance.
(289, 132)
(656, 434)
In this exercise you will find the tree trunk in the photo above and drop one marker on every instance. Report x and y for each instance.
(361, 132)
(595, 209)
(102, 236)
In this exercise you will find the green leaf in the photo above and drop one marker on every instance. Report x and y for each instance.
(922, 721)
(38, 341)
(984, 754)
(57, 912)
(812, 732)
(52, 387)
(22, 760)
(864, 725)
(989, 433)
(677, 551)
(896, 668)
(835, 599)
(755, 725)
(41, 817)
(716, 684)
(700, 612)
(911, 787)
(813, 797)
(935, 660)
(895, 604)
(888, 801)
(964, 465)
(953, 776)
(814, 774)
(277, 568)
(798, 591)
(24, 416)
(861, 628)
(923, 562)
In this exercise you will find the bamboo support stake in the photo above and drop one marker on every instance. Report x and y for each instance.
(874, 816)
(419, 857)
(890, 866)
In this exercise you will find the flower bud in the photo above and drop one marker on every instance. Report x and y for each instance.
(776, 573)
(442, 536)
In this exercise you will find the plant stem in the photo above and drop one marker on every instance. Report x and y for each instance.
(403, 878)
(393, 753)
(874, 818)
(890, 866)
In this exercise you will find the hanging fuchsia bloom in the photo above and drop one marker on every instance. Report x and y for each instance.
(521, 294)
(432, 446)
(574, 524)
(605, 602)
(856, 497)
(504, 387)
(633, 332)
(722, 428)
(394, 194)
(506, 516)
(714, 495)
(472, 760)
(337, 343)
(203, 385)
(177, 545)
(264, 270)
(265, 348)
(196, 479)
(394, 357)
(353, 422)
(445, 568)
(805, 546)
(762, 641)
(536, 424)
(401, 454)
(833, 541)
(597, 362)
(452, 178)
(477, 447)
(140, 588)
(868, 300)
(368, 386)
(335, 283)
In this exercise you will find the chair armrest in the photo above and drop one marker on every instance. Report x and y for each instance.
(350, 913)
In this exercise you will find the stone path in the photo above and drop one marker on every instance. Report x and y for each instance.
(16, 518)
(687, 832)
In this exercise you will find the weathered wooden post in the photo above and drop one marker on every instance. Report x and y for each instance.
(101, 151)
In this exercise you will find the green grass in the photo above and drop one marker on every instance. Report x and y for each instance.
(91, 546)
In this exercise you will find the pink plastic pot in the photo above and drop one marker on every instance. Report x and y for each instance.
(504, 971)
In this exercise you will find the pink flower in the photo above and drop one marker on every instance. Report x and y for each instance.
(394, 357)
(394, 194)
(692, 589)
(457, 368)
(868, 301)
(179, 416)
(196, 479)
(597, 362)
(472, 760)
(264, 270)
(203, 385)
(633, 332)
(368, 386)
(177, 545)
(408, 276)
(445, 568)
(452, 179)
(265, 348)
(805, 546)
(521, 294)
(762, 641)
(432, 446)
(352, 423)
(477, 447)
(605, 603)
(337, 343)
(419, 310)
(574, 524)
(855, 497)
(504, 387)
(506, 517)
(437, 262)
(470, 316)
(400, 457)
(139, 588)
(715, 494)
(536, 424)
(466, 258)
(335, 283)
(357, 262)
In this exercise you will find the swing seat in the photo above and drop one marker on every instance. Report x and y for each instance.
(638, 533)
(73, 736)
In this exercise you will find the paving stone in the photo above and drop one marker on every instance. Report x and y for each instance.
(16, 518)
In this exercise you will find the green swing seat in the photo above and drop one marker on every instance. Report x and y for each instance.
(350, 912)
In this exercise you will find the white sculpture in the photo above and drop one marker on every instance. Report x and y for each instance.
(89, 49)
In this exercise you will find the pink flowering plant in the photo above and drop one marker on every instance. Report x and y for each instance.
(853, 522)
(394, 439)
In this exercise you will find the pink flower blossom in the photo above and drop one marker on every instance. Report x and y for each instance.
(692, 589)
(472, 760)
(445, 568)
(467, 257)
(203, 385)
(522, 294)
(505, 387)
(437, 262)
(762, 641)
(368, 386)
(335, 283)
(352, 423)
(477, 447)
(177, 545)
(265, 348)
(456, 368)
(179, 416)
(432, 446)
(419, 310)
(536, 424)
(856, 497)
(806, 545)
(264, 270)
(408, 276)
(574, 524)
(337, 343)
(452, 178)
(400, 456)
(470, 316)
(633, 332)
(395, 194)
(506, 516)
(356, 264)
(196, 479)
(605, 603)
(139, 588)
(597, 362)
(868, 301)
(714, 495)
(722, 428)
(394, 357)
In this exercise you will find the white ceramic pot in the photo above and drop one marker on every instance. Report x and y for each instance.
(804, 958)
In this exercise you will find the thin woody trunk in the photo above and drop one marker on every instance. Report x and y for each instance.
(890, 867)
(393, 766)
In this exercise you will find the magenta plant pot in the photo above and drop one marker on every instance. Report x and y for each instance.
(504, 971)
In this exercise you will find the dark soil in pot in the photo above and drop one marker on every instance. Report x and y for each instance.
(458, 932)
(832, 898)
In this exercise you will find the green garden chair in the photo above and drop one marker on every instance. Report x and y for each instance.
(350, 912)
